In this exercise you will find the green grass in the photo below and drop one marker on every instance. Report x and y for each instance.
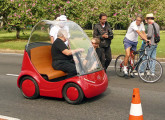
(117, 45)
(8, 41)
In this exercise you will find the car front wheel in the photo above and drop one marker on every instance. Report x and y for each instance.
(72, 93)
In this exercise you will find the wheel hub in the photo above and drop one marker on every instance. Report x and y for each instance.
(72, 93)
(28, 88)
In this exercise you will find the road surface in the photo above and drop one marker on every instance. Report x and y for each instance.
(113, 104)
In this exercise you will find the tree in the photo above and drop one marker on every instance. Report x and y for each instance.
(19, 14)
(123, 11)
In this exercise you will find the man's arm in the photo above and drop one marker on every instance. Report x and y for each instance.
(67, 52)
(142, 35)
(145, 35)
(110, 33)
(96, 33)
(70, 52)
(51, 39)
(149, 35)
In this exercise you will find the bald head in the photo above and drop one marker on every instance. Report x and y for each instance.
(62, 34)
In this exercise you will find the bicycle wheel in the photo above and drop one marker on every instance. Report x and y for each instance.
(119, 65)
(150, 70)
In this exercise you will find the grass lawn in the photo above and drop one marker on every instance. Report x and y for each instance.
(8, 41)
(117, 45)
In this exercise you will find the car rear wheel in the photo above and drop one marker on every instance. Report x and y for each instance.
(29, 88)
(72, 93)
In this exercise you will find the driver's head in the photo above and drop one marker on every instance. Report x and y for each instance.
(103, 18)
(62, 34)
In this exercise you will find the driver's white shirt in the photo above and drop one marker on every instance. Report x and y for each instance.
(132, 35)
(54, 31)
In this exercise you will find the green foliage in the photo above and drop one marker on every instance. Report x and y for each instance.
(22, 13)
(124, 11)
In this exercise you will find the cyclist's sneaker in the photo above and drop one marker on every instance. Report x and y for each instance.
(136, 74)
(125, 73)
(132, 75)
(141, 74)
(134, 71)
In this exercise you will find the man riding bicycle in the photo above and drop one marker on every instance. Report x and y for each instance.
(131, 39)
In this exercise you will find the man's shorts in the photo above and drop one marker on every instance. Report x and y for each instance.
(128, 43)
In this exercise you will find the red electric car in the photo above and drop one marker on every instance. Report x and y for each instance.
(38, 78)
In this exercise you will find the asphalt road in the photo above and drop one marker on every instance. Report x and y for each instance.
(113, 104)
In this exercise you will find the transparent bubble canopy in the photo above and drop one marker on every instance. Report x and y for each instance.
(87, 61)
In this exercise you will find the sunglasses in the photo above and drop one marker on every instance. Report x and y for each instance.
(139, 20)
(95, 43)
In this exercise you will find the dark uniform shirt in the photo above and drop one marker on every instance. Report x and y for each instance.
(99, 31)
(101, 56)
(56, 50)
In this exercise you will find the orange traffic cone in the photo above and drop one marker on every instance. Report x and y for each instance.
(136, 108)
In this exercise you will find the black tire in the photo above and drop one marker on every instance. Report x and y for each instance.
(80, 93)
(118, 68)
(36, 93)
(150, 71)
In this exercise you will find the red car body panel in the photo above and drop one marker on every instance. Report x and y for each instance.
(92, 84)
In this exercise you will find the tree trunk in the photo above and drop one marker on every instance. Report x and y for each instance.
(18, 29)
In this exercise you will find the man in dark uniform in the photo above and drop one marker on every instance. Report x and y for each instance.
(103, 31)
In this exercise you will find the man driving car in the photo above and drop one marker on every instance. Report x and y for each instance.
(62, 58)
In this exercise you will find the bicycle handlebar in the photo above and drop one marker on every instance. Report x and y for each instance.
(137, 52)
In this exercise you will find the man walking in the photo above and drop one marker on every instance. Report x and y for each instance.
(103, 31)
(153, 28)
(151, 24)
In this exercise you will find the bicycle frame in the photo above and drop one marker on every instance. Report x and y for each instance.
(139, 60)
(148, 69)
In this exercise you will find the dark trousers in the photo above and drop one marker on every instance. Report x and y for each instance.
(66, 66)
(108, 56)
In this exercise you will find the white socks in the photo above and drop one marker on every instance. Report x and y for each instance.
(125, 69)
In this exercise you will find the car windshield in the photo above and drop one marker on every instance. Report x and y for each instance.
(87, 60)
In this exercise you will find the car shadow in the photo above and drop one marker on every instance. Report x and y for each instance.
(85, 101)
(96, 98)
(52, 98)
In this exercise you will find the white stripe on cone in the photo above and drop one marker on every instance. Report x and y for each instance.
(136, 109)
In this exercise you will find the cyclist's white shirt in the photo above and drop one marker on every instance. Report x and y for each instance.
(132, 35)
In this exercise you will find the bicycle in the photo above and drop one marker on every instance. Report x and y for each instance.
(149, 70)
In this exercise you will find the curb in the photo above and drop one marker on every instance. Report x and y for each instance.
(11, 51)
(22, 51)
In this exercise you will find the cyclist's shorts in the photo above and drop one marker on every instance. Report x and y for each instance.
(128, 43)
